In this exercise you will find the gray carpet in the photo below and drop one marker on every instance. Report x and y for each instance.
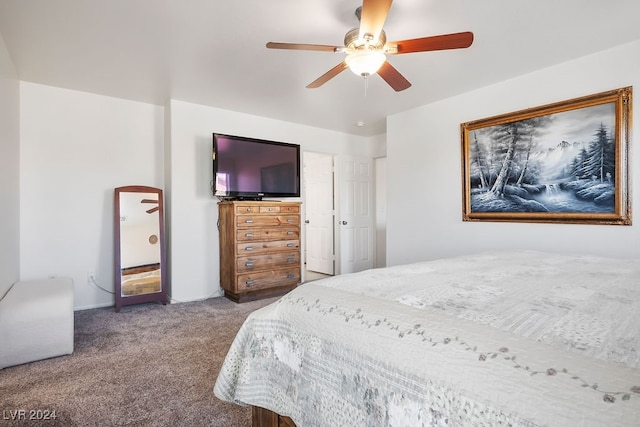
(149, 365)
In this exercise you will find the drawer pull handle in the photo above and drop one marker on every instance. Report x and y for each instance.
(248, 248)
(289, 232)
(290, 276)
(289, 219)
(248, 235)
(249, 282)
(248, 221)
(290, 245)
(290, 259)
(248, 264)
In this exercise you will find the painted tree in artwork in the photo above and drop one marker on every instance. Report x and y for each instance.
(481, 162)
(527, 156)
(512, 138)
(597, 161)
(601, 152)
(579, 165)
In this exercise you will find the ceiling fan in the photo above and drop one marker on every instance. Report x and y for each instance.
(153, 209)
(366, 47)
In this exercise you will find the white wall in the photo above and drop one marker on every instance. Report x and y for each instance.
(9, 172)
(75, 149)
(193, 215)
(425, 176)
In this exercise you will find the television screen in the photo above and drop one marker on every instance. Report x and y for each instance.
(254, 168)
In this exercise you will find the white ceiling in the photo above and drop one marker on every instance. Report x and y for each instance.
(212, 52)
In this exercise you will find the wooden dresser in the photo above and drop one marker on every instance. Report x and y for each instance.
(259, 248)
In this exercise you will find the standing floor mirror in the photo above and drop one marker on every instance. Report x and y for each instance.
(140, 266)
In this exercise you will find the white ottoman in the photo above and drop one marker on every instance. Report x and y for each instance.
(36, 321)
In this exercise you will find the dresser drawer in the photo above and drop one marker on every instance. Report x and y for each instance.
(249, 248)
(267, 262)
(274, 208)
(267, 279)
(279, 209)
(278, 233)
(266, 220)
(247, 209)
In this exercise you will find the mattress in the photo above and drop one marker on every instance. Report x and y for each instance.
(514, 338)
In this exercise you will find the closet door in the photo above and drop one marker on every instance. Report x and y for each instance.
(319, 220)
(356, 214)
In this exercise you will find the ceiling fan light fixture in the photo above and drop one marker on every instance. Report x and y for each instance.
(365, 62)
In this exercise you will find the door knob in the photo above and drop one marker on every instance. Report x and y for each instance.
(306, 221)
(343, 222)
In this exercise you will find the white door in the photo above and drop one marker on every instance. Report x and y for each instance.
(318, 178)
(356, 214)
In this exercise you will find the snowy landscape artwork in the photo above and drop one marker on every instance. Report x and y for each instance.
(564, 162)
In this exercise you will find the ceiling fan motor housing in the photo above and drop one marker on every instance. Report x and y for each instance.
(352, 40)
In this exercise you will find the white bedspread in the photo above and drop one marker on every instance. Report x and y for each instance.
(146, 282)
(519, 338)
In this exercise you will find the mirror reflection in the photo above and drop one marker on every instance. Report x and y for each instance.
(140, 251)
(139, 245)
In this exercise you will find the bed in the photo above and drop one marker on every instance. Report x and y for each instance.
(140, 280)
(502, 338)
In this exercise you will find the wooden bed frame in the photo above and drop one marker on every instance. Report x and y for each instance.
(140, 269)
(261, 417)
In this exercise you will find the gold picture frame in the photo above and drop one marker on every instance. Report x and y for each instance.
(565, 162)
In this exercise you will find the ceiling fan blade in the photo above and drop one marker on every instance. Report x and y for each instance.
(301, 46)
(393, 77)
(425, 44)
(372, 17)
(148, 201)
(152, 210)
(328, 75)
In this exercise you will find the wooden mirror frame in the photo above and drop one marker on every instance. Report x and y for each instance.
(160, 296)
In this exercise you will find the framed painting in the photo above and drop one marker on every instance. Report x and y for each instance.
(565, 162)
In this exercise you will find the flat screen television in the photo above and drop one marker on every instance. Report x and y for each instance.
(249, 168)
